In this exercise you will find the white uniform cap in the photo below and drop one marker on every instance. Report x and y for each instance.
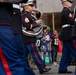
(63, 1)
(28, 3)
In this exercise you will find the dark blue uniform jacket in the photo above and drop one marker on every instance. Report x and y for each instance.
(17, 26)
(66, 18)
(6, 8)
(27, 21)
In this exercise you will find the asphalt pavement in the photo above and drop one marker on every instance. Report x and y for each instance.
(54, 70)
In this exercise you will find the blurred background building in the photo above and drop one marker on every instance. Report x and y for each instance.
(51, 12)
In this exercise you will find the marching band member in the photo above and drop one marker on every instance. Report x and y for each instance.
(29, 41)
(10, 63)
(67, 22)
(17, 30)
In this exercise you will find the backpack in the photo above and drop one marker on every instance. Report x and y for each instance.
(10, 1)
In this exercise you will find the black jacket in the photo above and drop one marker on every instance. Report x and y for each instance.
(6, 14)
(17, 22)
(66, 18)
(27, 20)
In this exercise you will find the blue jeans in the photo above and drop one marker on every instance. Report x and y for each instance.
(46, 48)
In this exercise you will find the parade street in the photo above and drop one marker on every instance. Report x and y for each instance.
(54, 71)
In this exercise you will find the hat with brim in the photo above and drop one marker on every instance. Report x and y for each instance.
(30, 3)
(67, 0)
(71, 1)
(63, 1)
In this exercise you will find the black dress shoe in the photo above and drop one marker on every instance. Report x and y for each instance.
(64, 72)
(44, 70)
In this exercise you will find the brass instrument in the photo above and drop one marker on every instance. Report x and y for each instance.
(36, 31)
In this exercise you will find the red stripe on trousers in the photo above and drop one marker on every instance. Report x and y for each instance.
(4, 62)
(36, 56)
(74, 42)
